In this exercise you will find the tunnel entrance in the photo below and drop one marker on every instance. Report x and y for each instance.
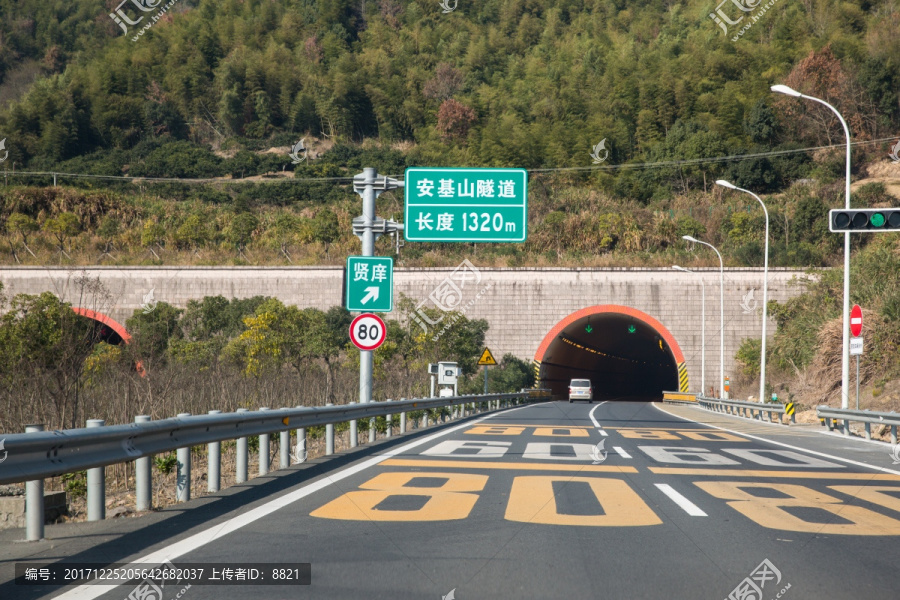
(107, 329)
(627, 354)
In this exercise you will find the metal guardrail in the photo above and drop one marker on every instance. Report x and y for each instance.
(741, 408)
(37, 454)
(864, 416)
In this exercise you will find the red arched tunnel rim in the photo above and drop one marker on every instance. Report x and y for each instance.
(112, 324)
(105, 320)
(616, 309)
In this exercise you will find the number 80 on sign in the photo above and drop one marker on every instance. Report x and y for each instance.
(367, 331)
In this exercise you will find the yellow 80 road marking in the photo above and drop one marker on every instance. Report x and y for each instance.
(449, 501)
(531, 500)
(770, 513)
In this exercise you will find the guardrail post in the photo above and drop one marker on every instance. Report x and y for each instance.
(300, 456)
(183, 471)
(143, 476)
(264, 450)
(354, 432)
(403, 419)
(868, 430)
(390, 423)
(242, 457)
(329, 435)
(284, 449)
(96, 485)
(214, 463)
(34, 501)
(372, 430)
(793, 418)
(894, 435)
(846, 426)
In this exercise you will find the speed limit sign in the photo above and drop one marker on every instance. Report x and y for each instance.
(367, 331)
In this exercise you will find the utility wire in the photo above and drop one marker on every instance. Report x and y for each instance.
(646, 165)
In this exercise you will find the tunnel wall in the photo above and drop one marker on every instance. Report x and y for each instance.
(521, 305)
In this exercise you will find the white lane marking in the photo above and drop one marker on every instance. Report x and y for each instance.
(621, 452)
(762, 439)
(189, 544)
(688, 506)
(591, 415)
(603, 432)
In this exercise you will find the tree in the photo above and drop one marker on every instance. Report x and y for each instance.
(153, 234)
(192, 233)
(109, 228)
(64, 226)
(283, 231)
(328, 336)
(446, 82)
(454, 119)
(325, 228)
(152, 331)
(43, 343)
(241, 229)
(24, 225)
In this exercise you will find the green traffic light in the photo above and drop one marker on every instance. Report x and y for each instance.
(632, 329)
(589, 329)
(877, 220)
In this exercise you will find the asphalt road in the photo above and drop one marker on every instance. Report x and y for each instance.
(527, 503)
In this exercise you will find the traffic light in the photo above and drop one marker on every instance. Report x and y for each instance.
(864, 219)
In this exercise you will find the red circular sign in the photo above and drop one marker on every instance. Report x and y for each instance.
(856, 320)
(367, 331)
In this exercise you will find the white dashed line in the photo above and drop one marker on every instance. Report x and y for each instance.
(621, 452)
(688, 506)
(602, 432)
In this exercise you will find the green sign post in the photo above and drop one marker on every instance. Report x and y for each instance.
(370, 283)
(466, 205)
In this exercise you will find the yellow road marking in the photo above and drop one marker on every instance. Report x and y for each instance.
(472, 464)
(561, 431)
(533, 425)
(770, 512)
(776, 474)
(531, 500)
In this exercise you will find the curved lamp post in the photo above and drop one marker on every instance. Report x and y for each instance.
(721, 312)
(845, 353)
(702, 329)
(762, 358)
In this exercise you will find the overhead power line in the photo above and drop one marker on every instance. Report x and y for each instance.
(645, 165)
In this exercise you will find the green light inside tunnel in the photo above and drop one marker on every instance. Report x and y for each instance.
(623, 357)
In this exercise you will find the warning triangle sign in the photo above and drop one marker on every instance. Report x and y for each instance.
(487, 358)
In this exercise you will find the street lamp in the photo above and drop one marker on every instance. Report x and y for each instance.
(702, 329)
(845, 352)
(721, 312)
(762, 358)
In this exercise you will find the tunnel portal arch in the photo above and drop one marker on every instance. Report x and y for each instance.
(623, 351)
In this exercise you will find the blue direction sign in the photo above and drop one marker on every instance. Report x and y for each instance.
(370, 283)
(466, 205)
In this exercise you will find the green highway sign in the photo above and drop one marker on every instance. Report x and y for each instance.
(466, 205)
(370, 284)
